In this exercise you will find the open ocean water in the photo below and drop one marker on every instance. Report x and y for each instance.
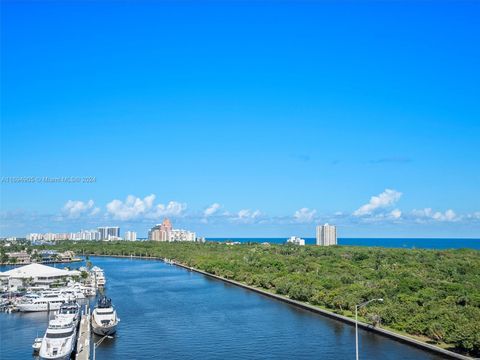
(408, 243)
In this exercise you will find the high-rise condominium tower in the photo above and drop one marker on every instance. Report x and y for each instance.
(326, 235)
(107, 232)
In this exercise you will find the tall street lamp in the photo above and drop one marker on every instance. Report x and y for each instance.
(356, 321)
(97, 344)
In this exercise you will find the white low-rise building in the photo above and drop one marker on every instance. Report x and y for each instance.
(181, 235)
(35, 275)
(294, 240)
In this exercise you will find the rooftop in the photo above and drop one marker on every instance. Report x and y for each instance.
(38, 270)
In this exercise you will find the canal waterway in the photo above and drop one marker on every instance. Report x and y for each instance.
(171, 313)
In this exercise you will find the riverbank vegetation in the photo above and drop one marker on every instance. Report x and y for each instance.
(428, 293)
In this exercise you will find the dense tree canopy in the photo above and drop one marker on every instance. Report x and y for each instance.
(434, 294)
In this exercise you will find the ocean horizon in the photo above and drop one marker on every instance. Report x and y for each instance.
(407, 243)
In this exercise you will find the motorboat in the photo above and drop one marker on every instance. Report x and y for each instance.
(104, 317)
(59, 340)
(73, 292)
(37, 343)
(88, 290)
(40, 302)
(70, 310)
(100, 279)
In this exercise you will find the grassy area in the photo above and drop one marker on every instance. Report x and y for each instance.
(430, 294)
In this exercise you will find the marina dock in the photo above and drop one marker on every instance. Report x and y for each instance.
(83, 341)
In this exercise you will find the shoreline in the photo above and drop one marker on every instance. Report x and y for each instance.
(384, 332)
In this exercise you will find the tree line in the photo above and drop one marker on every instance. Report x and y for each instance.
(431, 294)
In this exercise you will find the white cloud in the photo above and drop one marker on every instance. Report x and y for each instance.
(429, 214)
(212, 209)
(396, 214)
(95, 211)
(173, 208)
(387, 198)
(134, 207)
(131, 208)
(476, 215)
(247, 215)
(75, 208)
(304, 215)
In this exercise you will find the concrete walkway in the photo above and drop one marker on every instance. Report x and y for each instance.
(83, 341)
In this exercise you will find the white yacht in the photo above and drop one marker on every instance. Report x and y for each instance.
(59, 340)
(104, 318)
(100, 279)
(88, 290)
(74, 292)
(40, 302)
(69, 310)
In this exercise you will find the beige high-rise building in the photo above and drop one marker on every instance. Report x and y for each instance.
(161, 232)
(326, 235)
(166, 232)
(158, 234)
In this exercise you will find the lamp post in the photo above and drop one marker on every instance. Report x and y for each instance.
(97, 344)
(356, 322)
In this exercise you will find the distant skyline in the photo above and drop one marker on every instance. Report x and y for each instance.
(241, 119)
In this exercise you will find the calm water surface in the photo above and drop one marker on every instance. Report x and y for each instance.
(170, 313)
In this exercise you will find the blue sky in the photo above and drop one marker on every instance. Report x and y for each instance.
(242, 118)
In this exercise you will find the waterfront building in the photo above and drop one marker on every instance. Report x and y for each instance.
(160, 232)
(62, 236)
(294, 240)
(90, 235)
(326, 235)
(19, 257)
(36, 275)
(130, 236)
(181, 235)
(106, 231)
(103, 232)
(166, 232)
(41, 256)
(49, 236)
(113, 231)
(48, 256)
(85, 235)
(34, 237)
(156, 234)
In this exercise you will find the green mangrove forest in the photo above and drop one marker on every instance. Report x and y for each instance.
(433, 295)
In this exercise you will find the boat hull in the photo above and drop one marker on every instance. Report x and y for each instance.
(103, 330)
(38, 307)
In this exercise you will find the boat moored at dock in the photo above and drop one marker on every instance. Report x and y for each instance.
(104, 318)
(69, 310)
(100, 279)
(40, 302)
(59, 340)
(37, 343)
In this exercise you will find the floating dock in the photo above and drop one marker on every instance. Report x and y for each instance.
(83, 341)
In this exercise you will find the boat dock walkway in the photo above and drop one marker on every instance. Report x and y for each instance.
(83, 341)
